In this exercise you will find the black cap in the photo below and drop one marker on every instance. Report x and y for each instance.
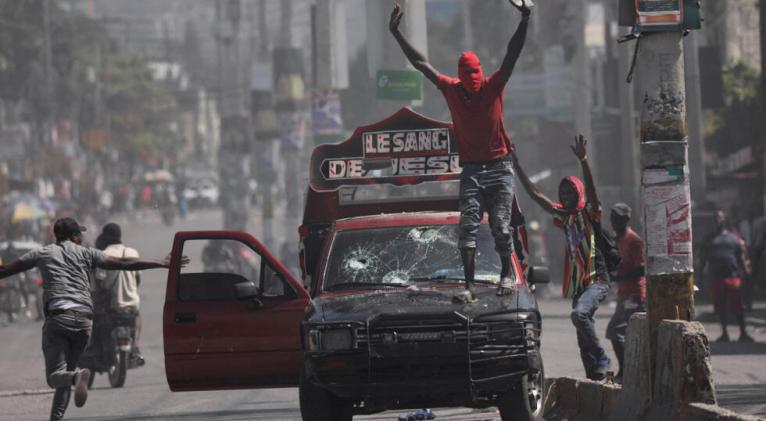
(112, 231)
(65, 228)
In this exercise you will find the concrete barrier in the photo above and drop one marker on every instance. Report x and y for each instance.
(705, 412)
(682, 388)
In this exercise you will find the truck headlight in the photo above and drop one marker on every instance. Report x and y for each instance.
(330, 339)
(505, 333)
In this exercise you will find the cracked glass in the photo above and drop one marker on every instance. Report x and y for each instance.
(404, 256)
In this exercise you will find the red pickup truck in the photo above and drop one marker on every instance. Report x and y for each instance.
(372, 325)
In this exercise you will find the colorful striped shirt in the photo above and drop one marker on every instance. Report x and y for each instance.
(580, 267)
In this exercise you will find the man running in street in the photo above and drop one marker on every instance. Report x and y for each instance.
(486, 182)
(631, 282)
(586, 280)
(65, 267)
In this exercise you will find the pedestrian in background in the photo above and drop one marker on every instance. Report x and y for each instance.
(586, 280)
(724, 262)
(630, 279)
(121, 286)
(65, 267)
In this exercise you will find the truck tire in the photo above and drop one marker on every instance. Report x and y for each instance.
(318, 404)
(524, 401)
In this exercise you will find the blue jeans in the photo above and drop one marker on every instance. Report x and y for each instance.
(584, 308)
(487, 187)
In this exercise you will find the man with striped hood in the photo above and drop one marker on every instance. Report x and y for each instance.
(586, 279)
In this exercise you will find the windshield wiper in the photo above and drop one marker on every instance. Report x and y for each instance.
(350, 285)
(447, 279)
(437, 278)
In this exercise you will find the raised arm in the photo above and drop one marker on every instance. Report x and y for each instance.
(580, 151)
(516, 44)
(133, 263)
(418, 60)
(535, 194)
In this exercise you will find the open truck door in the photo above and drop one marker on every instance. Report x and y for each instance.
(232, 316)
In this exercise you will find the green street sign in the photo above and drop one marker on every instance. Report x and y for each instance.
(399, 85)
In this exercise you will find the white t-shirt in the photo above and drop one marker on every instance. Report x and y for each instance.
(122, 283)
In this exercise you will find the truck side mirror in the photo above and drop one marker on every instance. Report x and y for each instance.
(539, 275)
(246, 290)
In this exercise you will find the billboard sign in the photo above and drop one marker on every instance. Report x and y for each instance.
(399, 85)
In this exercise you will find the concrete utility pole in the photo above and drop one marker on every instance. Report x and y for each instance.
(234, 150)
(267, 146)
(48, 63)
(665, 180)
(628, 141)
(292, 121)
(763, 92)
(694, 117)
(582, 78)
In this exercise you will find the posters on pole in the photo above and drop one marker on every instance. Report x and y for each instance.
(289, 87)
(668, 214)
(326, 118)
(265, 123)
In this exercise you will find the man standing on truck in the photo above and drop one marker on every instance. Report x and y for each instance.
(65, 267)
(586, 280)
(486, 182)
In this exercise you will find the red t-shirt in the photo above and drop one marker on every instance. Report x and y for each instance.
(478, 122)
(631, 248)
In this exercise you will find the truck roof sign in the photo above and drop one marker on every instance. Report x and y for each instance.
(404, 149)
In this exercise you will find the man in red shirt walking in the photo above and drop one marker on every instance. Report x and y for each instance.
(486, 182)
(631, 283)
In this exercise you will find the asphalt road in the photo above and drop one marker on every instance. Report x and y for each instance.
(739, 370)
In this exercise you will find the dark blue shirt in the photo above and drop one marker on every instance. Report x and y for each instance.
(723, 251)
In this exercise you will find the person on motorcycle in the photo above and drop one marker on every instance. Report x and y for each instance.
(119, 287)
(13, 288)
(65, 267)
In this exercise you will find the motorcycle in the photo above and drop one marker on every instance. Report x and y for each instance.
(111, 348)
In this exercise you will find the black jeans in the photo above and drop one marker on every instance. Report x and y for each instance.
(65, 337)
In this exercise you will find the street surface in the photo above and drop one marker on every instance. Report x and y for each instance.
(740, 372)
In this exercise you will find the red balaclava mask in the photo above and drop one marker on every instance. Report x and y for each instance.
(579, 189)
(469, 71)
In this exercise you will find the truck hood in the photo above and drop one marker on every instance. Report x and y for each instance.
(364, 305)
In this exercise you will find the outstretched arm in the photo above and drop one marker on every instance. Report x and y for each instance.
(516, 44)
(134, 264)
(16, 266)
(535, 194)
(580, 151)
(415, 57)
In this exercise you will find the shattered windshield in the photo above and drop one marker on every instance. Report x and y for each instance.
(403, 256)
